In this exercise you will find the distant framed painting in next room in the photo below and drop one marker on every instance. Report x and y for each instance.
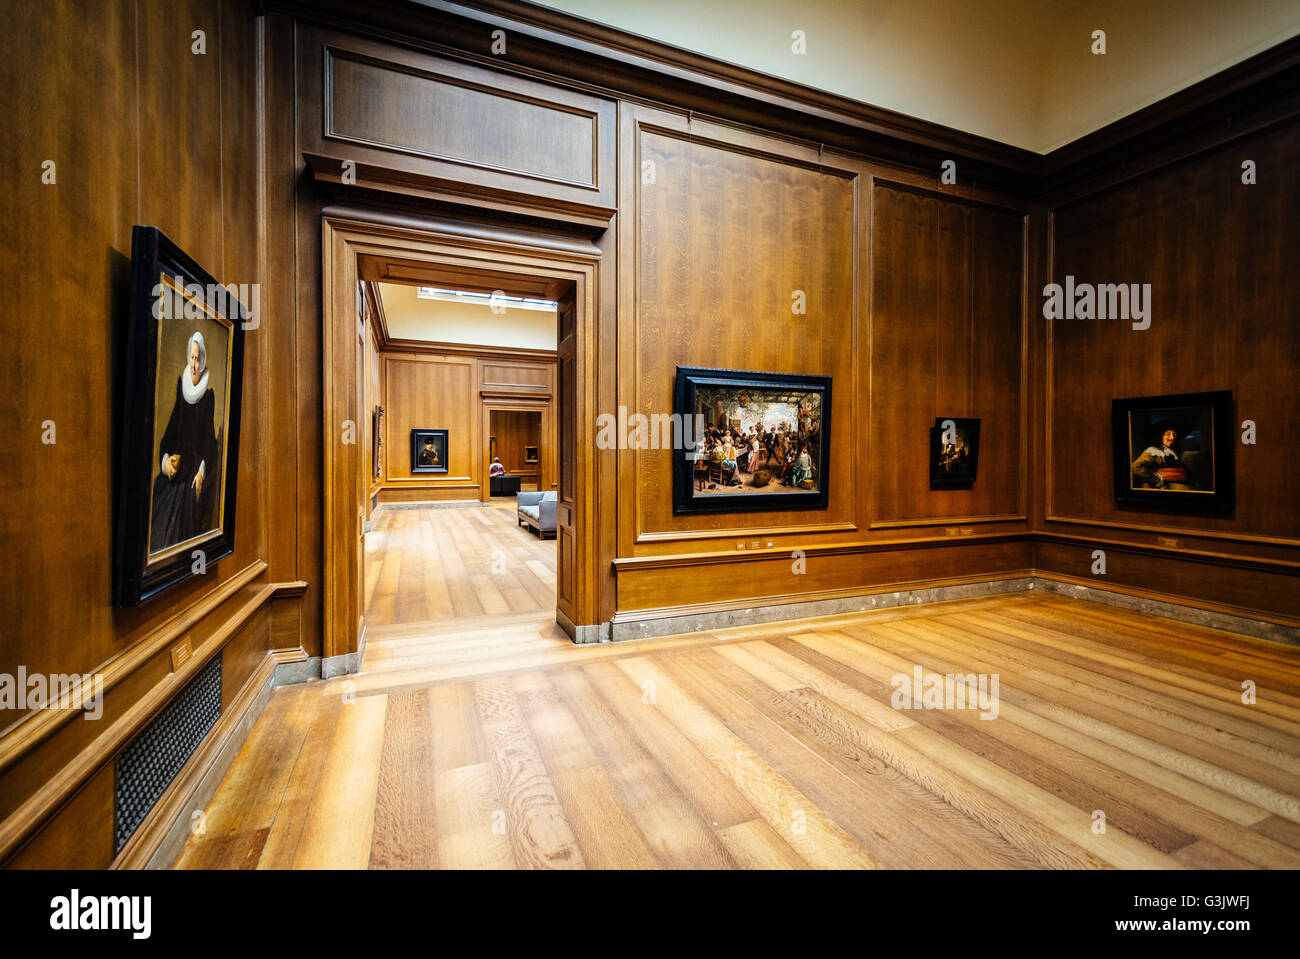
(180, 416)
(1174, 452)
(428, 451)
(954, 452)
(750, 441)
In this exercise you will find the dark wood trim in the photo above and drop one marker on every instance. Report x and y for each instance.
(663, 561)
(1190, 554)
(555, 46)
(1244, 98)
(581, 54)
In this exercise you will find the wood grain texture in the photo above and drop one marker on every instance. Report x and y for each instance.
(181, 152)
(491, 741)
(1215, 253)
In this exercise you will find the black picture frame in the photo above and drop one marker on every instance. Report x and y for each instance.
(438, 439)
(957, 469)
(149, 510)
(1192, 481)
(695, 385)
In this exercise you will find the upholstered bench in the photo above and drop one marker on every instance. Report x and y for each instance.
(537, 511)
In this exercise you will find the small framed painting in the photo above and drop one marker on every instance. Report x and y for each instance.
(530, 454)
(1174, 451)
(954, 452)
(749, 441)
(180, 416)
(428, 451)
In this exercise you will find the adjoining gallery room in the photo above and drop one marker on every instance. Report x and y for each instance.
(468, 436)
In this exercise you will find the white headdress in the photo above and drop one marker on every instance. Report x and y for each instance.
(193, 392)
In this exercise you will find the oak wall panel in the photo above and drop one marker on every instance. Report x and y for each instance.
(418, 123)
(435, 393)
(947, 339)
(773, 576)
(725, 239)
(915, 307)
(1220, 258)
(142, 131)
(372, 103)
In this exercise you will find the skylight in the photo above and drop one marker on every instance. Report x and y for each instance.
(485, 299)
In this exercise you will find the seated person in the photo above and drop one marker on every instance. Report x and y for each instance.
(496, 469)
(802, 470)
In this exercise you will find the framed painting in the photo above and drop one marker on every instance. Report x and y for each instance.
(1174, 451)
(530, 454)
(954, 452)
(180, 415)
(428, 451)
(750, 441)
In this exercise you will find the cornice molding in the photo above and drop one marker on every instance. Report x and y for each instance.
(558, 47)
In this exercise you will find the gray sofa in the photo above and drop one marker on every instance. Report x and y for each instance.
(537, 512)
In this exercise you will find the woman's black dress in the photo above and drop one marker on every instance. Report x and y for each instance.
(177, 514)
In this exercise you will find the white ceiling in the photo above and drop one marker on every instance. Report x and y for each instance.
(408, 317)
(1018, 71)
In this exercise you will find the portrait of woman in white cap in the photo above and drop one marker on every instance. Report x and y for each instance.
(188, 464)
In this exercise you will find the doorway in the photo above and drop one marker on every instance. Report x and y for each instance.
(361, 244)
(517, 446)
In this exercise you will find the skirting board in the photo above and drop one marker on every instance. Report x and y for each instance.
(583, 635)
(1183, 612)
(431, 504)
(173, 841)
(657, 624)
(289, 671)
(622, 630)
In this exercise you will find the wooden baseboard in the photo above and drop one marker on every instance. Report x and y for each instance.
(1173, 599)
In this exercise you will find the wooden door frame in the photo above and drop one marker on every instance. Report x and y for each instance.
(349, 232)
(524, 403)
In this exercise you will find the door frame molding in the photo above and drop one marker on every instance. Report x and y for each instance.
(568, 262)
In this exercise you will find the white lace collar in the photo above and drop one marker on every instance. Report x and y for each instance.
(193, 392)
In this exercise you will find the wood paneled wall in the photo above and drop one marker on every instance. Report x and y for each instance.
(914, 296)
(947, 340)
(141, 130)
(1220, 257)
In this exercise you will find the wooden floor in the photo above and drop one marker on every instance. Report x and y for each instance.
(491, 742)
(450, 562)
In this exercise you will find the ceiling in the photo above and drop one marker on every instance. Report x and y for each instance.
(409, 317)
(1018, 71)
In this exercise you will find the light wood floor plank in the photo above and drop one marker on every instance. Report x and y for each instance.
(478, 736)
